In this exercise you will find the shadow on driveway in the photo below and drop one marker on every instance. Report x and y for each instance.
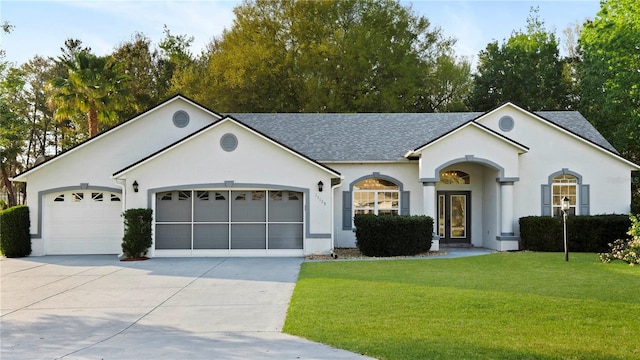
(97, 307)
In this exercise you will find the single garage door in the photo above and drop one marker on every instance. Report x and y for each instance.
(202, 221)
(82, 222)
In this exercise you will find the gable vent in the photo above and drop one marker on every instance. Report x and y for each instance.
(228, 142)
(180, 119)
(506, 123)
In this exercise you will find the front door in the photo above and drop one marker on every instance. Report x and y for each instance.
(454, 217)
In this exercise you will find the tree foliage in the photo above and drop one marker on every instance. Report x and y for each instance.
(610, 74)
(328, 56)
(94, 86)
(610, 78)
(13, 125)
(526, 69)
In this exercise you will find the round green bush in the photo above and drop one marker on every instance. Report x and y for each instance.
(15, 240)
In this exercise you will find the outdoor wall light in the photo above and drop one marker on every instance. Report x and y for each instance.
(564, 206)
(135, 186)
(320, 185)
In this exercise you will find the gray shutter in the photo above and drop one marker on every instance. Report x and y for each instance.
(584, 199)
(346, 210)
(546, 200)
(404, 203)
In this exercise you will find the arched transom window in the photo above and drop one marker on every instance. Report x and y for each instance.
(454, 177)
(376, 196)
(561, 186)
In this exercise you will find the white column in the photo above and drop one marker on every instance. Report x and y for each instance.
(429, 199)
(506, 209)
(429, 206)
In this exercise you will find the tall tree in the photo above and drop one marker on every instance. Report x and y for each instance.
(610, 78)
(13, 130)
(13, 126)
(94, 86)
(138, 60)
(33, 102)
(610, 74)
(525, 69)
(329, 56)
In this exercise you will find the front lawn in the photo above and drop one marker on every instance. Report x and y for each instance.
(500, 306)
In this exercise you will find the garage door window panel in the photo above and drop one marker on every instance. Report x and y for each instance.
(248, 236)
(174, 206)
(211, 206)
(285, 236)
(211, 236)
(248, 206)
(285, 206)
(173, 236)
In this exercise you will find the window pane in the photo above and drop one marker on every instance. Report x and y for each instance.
(375, 184)
(455, 177)
(458, 216)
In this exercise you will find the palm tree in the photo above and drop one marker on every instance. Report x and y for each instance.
(93, 86)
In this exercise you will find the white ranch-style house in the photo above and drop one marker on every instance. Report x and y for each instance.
(290, 184)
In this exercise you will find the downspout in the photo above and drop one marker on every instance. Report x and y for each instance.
(333, 218)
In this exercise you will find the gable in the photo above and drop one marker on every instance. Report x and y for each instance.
(473, 134)
(229, 146)
(550, 136)
(130, 140)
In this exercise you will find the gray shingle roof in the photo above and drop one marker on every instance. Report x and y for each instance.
(380, 136)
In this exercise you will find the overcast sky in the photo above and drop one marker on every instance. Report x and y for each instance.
(41, 27)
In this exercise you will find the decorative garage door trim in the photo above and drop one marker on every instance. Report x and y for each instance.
(43, 193)
(230, 185)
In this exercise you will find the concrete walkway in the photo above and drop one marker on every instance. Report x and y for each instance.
(96, 307)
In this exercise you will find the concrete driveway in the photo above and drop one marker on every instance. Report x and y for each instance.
(97, 307)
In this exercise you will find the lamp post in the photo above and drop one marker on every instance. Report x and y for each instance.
(565, 207)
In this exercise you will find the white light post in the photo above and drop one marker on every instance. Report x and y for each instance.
(565, 207)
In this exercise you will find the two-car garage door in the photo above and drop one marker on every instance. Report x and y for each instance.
(82, 222)
(226, 221)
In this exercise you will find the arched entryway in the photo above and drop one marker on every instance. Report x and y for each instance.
(472, 203)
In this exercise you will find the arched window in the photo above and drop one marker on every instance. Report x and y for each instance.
(454, 177)
(561, 186)
(376, 196)
(565, 183)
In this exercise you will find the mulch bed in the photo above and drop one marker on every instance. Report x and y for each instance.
(135, 259)
(355, 254)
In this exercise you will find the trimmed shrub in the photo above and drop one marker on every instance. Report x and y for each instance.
(584, 233)
(393, 235)
(137, 232)
(15, 240)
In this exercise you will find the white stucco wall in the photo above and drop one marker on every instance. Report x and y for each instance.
(469, 140)
(256, 163)
(552, 150)
(95, 161)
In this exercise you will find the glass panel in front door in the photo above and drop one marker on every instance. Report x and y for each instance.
(458, 208)
(441, 215)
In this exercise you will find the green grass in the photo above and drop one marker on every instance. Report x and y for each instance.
(500, 306)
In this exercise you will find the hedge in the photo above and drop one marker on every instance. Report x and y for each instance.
(584, 233)
(393, 235)
(137, 232)
(15, 240)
